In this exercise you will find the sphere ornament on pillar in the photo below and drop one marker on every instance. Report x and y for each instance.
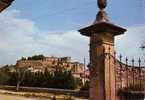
(102, 4)
(102, 15)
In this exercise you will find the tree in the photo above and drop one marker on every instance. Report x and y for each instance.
(4, 77)
(60, 78)
(36, 57)
(7, 68)
(48, 79)
(64, 80)
(20, 74)
(5, 73)
(86, 86)
(23, 58)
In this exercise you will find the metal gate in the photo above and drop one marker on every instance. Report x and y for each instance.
(130, 78)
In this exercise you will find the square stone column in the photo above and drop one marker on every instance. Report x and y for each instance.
(102, 69)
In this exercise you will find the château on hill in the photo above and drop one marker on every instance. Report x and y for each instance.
(35, 64)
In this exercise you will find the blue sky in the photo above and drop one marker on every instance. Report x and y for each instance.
(50, 27)
(72, 14)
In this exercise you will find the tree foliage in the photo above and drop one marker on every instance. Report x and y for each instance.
(61, 79)
(4, 77)
(4, 73)
(36, 57)
(23, 58)
(86, 86)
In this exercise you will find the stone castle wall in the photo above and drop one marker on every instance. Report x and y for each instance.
(51, 63)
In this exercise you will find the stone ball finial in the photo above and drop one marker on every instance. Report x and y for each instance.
(102, 16)
(102, 4)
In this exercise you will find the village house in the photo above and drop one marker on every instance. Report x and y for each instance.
(51, 64)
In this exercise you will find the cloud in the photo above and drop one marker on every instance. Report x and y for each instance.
(21, 37)
(129, 44)
(15, 33)
(69, 43)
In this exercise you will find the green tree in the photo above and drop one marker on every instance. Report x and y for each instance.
(36, 57)
(23, 58)
(86, 86)
(58, 79)
(5, 73)
(48, 79)
(20, 74)
(4, 77)
(64, 80)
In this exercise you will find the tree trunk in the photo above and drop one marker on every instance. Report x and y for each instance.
(18, 86)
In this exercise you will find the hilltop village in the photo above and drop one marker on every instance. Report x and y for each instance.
(40, 63)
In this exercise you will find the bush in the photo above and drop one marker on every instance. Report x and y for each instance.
(4, 77)
(36, 57)
(61, 79)
(64, 80)
(86, 86)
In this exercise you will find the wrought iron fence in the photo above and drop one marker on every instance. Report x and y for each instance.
(130, 78)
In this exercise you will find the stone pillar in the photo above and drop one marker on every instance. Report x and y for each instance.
(97, 73)
(102, 74)
(102, 68)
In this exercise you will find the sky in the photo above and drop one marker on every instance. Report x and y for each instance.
(49, 27)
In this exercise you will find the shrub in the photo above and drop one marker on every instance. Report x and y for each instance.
(86, 86)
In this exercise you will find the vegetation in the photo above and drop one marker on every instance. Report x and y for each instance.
(19, 74)
(61, 79)
(23, 58)
(4, 74)
(85, 86)
(36, 57)
(4, 77)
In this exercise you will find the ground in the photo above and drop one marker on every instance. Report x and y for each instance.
(12, 97)
(9, 95)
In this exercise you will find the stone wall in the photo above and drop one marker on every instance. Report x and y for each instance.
(51, 63)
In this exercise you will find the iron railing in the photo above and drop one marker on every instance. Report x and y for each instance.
(130, 78)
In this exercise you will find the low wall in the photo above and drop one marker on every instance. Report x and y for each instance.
(76, 93)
